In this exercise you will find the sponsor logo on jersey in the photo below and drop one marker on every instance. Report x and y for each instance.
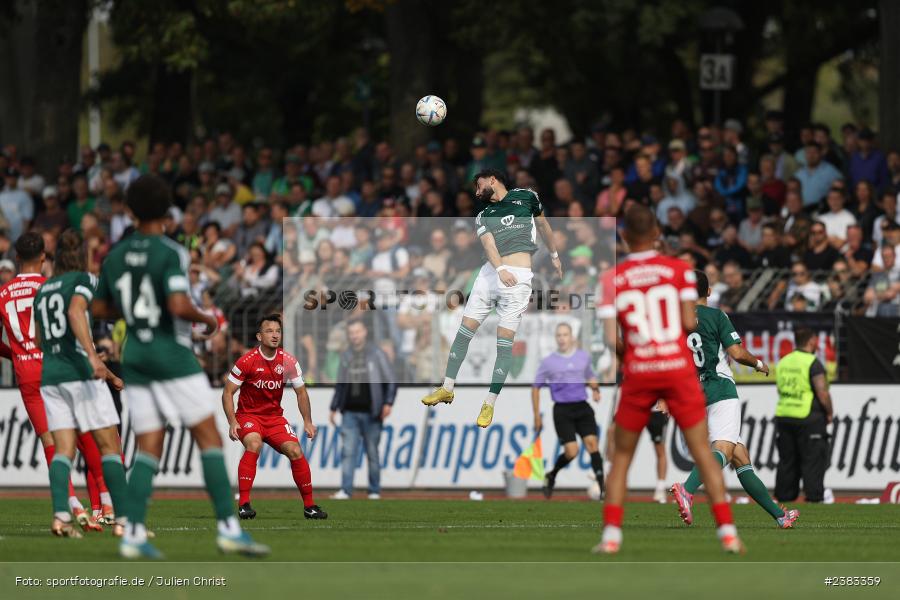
(267, 385)
(507, 220)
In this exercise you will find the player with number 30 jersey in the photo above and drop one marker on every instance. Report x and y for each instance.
(650, 299)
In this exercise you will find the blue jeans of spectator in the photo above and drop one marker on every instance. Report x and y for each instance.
(356, 427)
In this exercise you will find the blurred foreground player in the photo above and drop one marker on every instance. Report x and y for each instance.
(144, 279)
(73, 380)
(16, 303)
(260, 375)
(652, 298)
(567, 372)
(711, 344)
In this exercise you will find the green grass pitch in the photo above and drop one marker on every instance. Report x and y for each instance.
(448, 548)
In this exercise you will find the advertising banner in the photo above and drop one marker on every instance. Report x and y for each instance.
(442, 448)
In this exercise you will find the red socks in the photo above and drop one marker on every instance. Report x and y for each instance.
(303, 479)
(246, 475)
(722, 514)
(94, 476)
(613, 515)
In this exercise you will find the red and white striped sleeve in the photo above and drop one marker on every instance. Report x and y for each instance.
(238, 371)
(292, 371)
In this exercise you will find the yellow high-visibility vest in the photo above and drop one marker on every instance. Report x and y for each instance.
(795, 392)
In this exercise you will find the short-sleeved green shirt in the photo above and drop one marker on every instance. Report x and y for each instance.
(138, 276)
(708, 343)
(64, 357)
(511, 221)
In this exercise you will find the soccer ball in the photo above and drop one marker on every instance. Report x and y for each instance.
(431, 110)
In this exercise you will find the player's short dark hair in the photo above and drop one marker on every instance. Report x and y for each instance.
(639, 222)
(69, 253)
(702, 283)
(272, 318)
(29, 246)
(498, 174)
(802, 335)
(149, 198)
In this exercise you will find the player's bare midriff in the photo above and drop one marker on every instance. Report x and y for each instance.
(517, 259)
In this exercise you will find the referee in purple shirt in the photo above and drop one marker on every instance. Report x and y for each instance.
(567, 372)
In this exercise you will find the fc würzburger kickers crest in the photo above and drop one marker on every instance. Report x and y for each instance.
(279, 369)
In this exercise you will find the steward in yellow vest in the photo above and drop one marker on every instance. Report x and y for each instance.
(802, 416)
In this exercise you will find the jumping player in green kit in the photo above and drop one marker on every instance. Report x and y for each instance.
(712, 343)
(144, 279)
(508, 228)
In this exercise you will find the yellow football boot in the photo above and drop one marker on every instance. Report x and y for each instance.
(439, 395)
(486, 415)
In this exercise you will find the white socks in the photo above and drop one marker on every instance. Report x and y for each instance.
(75, 504)
(726, 530)
(63, 516)
(135, 534)
(105, 498)
(448, 383)
(229, 527)
(491, 399)
(611, 533)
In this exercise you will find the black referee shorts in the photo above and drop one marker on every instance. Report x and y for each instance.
(657, 426)
(571, 418)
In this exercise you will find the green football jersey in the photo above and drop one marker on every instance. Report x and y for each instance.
(64, 356)
(511, 221)
(713, 335)
(138, 276)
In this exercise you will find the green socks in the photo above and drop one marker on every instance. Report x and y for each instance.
(757, 490)
(114, 475)
(217, 484)
(60, 467)
(501, 365)
(458, 350)
(140, 486)
(693, 482)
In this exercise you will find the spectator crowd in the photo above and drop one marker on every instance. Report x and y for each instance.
(806, 213)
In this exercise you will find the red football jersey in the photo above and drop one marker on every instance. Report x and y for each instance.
(644, 293)
(16, 301)
(262, 380)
